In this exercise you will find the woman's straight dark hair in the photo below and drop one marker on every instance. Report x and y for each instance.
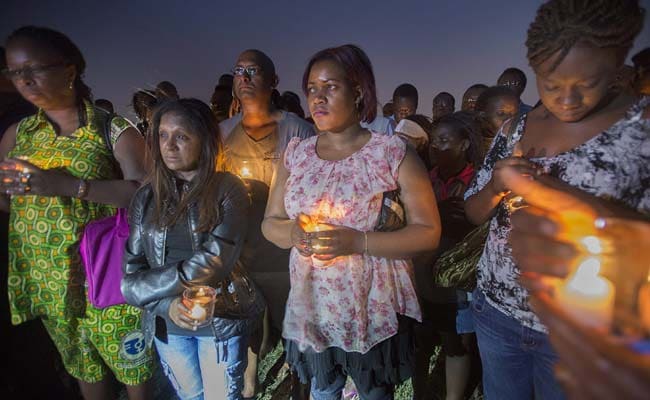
(168, 204)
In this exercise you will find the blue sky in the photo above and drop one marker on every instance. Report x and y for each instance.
(436, 45)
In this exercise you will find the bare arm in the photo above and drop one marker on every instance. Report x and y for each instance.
(422, 232)
(482, 206)
(277, 226)
(129, 153)
(7, 144)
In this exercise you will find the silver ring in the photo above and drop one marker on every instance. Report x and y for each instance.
(24, 177)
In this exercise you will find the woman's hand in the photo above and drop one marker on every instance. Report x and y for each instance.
(19, 177)
(546, 240)
(180, 314)
(499, 183)
(299, 237)
(334, 241)
(592, 365)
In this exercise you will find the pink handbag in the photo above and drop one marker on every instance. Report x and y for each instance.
(102, 251)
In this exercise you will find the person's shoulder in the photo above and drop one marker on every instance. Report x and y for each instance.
(28, 123)
(228, 178)
(294, 123)
(644, 103)
(120, 123)
(228, 125)
(389, 148)
(229, 185)
(301, 142)
(389, 140)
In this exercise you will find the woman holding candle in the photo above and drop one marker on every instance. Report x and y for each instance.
(585, 134)
(187, 228)
(592, 364)
(57, 175)
(352, 297)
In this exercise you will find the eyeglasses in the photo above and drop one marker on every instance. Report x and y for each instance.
(251, 71)
(30, 72)
(510, 83)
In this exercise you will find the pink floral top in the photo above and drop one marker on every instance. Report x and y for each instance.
(352, 302)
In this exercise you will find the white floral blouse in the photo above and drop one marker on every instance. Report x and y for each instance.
(351, 303)
(615, 165)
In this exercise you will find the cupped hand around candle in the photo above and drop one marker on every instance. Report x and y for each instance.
(592, 365)
(181, 314)
(499, 183)
(19, 177)
(545, 240)
(299, 237)
(543, 234)
(335, 241)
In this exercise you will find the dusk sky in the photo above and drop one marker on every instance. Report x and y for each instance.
(435, 45)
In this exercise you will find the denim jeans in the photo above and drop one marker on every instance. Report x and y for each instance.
(199, 368)
(334, 390)
(517, 361)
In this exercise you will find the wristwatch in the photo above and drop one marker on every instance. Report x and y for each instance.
(82, 190)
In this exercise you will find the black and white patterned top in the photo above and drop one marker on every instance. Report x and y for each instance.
(615, 164)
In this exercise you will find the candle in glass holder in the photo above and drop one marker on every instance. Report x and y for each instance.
(200, 300)
(310, 224)
(586, 295)
(245, 170)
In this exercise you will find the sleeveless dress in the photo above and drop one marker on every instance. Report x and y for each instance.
(46, 277)
(347, 312)
(614, 165)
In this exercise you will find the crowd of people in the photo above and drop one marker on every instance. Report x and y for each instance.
(371, 233)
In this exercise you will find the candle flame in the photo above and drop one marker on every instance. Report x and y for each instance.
(245, 172)
(592, 244)
(586, 279)
(324, 211)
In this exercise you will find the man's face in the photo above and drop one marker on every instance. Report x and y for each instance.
(251, 81)
(442, 105)
(403, 107)
(470, 97)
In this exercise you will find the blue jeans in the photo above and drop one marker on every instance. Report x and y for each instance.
(195, 366)
(517, 361)
(334, 390)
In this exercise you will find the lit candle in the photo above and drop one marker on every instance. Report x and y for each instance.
(201, 304)
(245, 170)
(198, 312)
(586, 295)
(310, 224)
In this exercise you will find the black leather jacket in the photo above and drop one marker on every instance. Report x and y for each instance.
(152, 284)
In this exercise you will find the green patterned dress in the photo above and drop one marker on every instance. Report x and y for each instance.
(46, 277)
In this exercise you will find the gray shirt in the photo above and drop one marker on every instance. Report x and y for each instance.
(255, 160)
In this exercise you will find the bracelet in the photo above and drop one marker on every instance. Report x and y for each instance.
(82, 190)
(365, 239)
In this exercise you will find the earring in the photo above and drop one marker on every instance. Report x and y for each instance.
(70, 86)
